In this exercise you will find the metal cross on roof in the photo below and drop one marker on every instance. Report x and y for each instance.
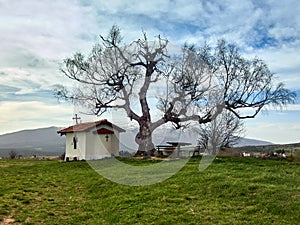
(76, 118)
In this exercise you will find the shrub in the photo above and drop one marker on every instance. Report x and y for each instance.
(62, 156)
(295, 156)
(13, 154)
(229, 152)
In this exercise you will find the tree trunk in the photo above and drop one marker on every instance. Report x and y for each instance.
(144, 140)
(214, 149)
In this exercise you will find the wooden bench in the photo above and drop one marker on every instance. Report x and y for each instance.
(196, 150)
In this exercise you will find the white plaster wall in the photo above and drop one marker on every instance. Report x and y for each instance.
(92, 146)
(79, 152)
(115, 143)
(97, 146)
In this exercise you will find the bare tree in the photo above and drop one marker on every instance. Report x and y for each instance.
(244, 84)
(224, 131)
(13, 154)
(115, 75)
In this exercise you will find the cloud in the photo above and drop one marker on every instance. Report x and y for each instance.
(46, 28)
(277, 126)
(29, 73)
(8, 89)
(279, 133)
(25, 82)
(32, 114)
(293, 108)
(62, 24)
(284, 62)
(269, 29)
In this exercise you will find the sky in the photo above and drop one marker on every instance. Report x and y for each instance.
(36, 36)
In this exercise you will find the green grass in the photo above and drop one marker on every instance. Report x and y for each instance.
(230, 191)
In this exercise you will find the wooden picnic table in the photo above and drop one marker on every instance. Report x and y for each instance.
(173, 145)
(165, 148)
(178, 143)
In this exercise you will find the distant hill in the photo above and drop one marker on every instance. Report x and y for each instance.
(42, 141)
(46, 141)
(251, 142)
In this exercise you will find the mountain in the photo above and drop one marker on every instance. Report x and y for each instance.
(42, 141)
(251, 142)
(46, 141)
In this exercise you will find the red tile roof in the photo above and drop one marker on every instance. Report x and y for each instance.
(87, 126)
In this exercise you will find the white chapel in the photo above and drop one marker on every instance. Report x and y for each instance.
(90, 141)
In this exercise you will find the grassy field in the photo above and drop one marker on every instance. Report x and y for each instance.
(230, 191)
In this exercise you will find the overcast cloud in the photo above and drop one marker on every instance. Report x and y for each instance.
(37, 35)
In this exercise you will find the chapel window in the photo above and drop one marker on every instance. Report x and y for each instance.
(75, 141)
